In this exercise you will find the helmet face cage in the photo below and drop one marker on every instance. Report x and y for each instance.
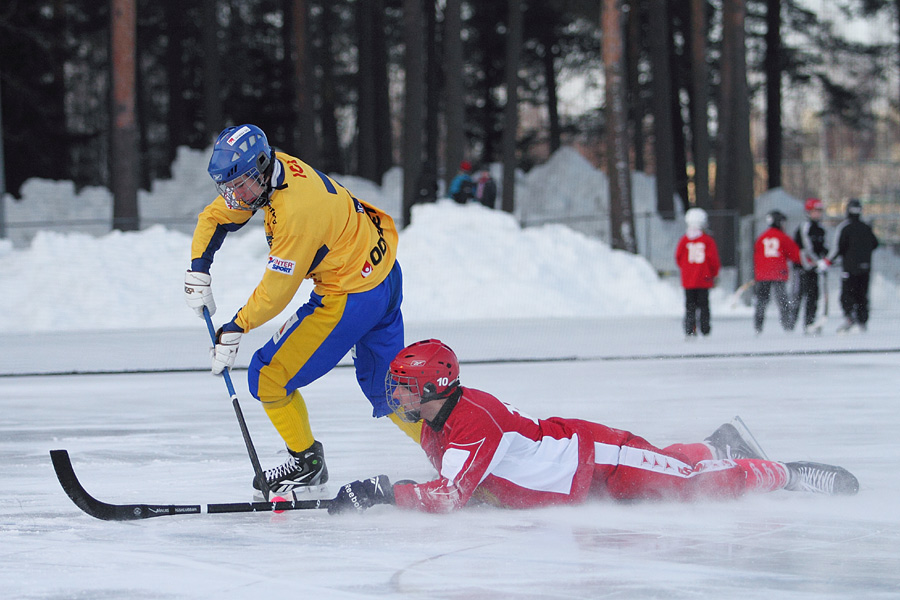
(240, 160)
(398, 388)
(244, 192)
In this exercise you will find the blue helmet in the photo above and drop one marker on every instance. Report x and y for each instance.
(240, 159)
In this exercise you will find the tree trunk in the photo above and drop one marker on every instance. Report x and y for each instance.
(897, 22)
(2, 172)
(632, 61)
(366, 148)
(123, 143)
(677, 70)
(428, 185)
(734, 163)
(176, 115)
(743, 172)
(454, 99)
(549, 61)
(384, 136)
(414, 106)
(330, 158)
(621, 215)
(145, 167)
(212, 71)
(773, 93)
(699, 104)
(511, 110)
(308, 147)
(662, 107)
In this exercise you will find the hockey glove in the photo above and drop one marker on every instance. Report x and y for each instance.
(823, 265)
(360, 495)
(226, 348)
(198, 292)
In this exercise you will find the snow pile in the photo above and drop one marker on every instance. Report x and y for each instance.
(460, 262)
(464, 262)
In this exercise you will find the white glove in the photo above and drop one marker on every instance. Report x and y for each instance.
(823, 265)
(198, 292)
(225, 351)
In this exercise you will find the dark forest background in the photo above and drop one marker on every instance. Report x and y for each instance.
(103, 93)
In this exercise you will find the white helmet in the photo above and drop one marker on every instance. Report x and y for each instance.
(696, 217)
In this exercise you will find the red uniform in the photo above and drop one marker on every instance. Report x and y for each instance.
(487, 450)
(773, 249)
(698, 259)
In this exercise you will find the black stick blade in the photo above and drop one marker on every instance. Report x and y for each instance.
(101, 510)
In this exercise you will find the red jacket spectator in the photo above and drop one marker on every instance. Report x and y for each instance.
(773, 249)
(698, 259)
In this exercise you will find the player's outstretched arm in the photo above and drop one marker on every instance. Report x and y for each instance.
(362, 494)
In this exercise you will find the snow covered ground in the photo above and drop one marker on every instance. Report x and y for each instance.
(100, 356)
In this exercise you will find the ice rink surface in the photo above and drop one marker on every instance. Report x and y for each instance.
(149, 435)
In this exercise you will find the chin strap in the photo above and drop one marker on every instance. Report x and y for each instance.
(451, 399)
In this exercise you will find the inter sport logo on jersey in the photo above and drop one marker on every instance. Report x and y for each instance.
(281, 265)
(366, 270)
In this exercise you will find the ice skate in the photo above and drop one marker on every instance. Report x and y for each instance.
(727, 442)
(820, 479)
(845, 326)
(815, 328)
(303, 471)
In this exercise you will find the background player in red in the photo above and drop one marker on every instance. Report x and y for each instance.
(486, 450)
(771, 253)
(698, 258)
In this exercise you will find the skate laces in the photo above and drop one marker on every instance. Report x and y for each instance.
(816, 480)
(284, 470)
(742, 450)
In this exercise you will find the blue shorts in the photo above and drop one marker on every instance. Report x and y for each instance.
(322, 331)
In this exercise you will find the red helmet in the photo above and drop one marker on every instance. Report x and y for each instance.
(429, 370)
(465, 166)
(813, 204)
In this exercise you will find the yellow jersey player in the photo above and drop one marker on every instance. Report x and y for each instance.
(316, 229)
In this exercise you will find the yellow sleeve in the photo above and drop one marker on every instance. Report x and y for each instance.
(282, 278)
(213, 224)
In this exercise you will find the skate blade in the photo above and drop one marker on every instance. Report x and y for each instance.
(305, 492)
(742, 428)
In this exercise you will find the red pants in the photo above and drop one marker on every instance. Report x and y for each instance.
(628, 467)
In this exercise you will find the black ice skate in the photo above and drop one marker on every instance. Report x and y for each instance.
(727, 442)
(302, 470)
(820, 479)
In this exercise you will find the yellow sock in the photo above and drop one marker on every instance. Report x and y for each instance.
(291, 420)
(413, 430)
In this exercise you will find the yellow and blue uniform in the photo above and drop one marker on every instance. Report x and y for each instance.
(316, 229)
